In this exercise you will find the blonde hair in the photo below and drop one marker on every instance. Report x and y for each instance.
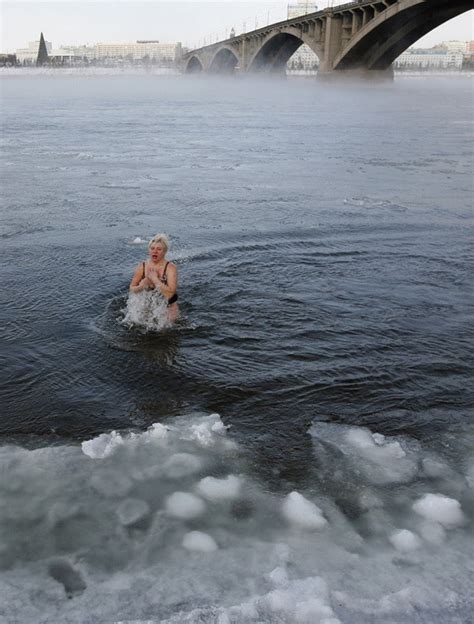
(160, 238)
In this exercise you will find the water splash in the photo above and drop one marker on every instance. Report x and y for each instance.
(147, 310)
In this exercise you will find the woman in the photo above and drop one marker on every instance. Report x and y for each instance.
(157, 273)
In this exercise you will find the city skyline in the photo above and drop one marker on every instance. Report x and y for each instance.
(193, 22)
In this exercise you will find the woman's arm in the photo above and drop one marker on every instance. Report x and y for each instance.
(138, 282)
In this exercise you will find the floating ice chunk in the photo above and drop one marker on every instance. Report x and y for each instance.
(205, 431)
(370, 456)
(132, 510)
(184, 505)
(439, 508)
(278, 577)
(218, 426)
(405, 541)
(103, 445)
(220, 489)
(138, 241)
(158, 431)
(200, 542)
(302, 512)
(433, 532)
(182, 465)
(363, 439)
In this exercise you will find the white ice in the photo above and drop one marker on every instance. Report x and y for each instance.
(103, 445)
(303, 513)
(181, 465)
(438, 508)
(405, 541)
(371, 456)
(432, 532)
(220, 489)
(344, 547)
(184, 505)
(199, 542)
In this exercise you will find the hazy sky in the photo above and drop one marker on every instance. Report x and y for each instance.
(72, 22)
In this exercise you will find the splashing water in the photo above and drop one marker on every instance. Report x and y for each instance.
(147, 310)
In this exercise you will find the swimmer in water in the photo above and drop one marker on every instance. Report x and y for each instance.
(158, 273)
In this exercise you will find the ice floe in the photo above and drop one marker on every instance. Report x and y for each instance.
(173, 525)
(199, 541)
(405, 541)
(302, 512)
(438, 508)
(220, 489)
(184, 505)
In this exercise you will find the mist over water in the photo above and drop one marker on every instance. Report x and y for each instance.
(323, 237)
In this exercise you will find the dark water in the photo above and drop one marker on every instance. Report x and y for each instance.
(323, 238)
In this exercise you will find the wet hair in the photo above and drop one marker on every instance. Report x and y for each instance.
(160, 238)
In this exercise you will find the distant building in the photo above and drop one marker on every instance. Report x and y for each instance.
(303, 58)
(8, 60)
(301, 7)
(83, 52)
(154, 50)
(456, 46)
(435, 58)
(28, 56)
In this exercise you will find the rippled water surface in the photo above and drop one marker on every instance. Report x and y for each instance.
(323, 237)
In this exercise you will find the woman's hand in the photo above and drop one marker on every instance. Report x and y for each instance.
(146, 283)
(152, 275)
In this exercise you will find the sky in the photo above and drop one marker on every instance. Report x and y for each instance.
(192, 22)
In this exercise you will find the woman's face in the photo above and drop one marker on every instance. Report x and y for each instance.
(157, 252)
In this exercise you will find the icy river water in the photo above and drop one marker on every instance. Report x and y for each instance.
(299, 447)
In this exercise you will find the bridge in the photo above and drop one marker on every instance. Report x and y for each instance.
(361, 38)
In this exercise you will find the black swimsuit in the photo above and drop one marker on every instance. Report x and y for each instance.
(164, 280)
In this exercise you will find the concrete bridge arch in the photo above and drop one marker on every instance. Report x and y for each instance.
(278, 47)
(360, 37)
(224, 61)
(194, 65)
(377, 44)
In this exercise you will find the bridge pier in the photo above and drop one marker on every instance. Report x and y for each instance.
(332, 41)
